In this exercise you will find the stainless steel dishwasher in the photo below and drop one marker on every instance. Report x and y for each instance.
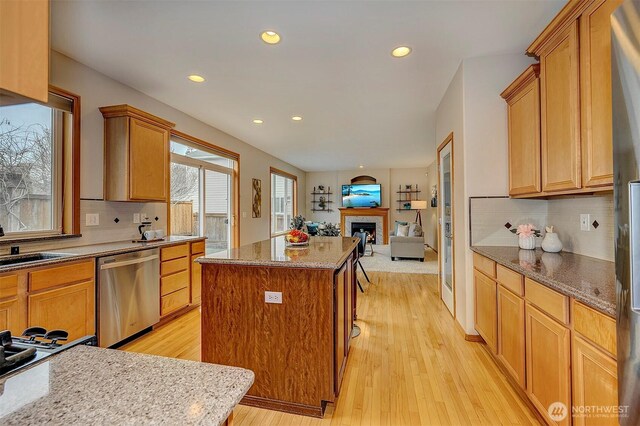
(128, 294)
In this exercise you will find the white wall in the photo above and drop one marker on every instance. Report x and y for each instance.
(96, 90)
(431, 225)
(473, 110)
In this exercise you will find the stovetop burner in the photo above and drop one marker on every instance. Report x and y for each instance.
(34, 344)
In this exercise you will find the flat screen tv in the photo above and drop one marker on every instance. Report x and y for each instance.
(360, 195)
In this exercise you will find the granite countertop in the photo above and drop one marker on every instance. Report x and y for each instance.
(321, 253)
(587, 279)
(96, 250)
(89, 385)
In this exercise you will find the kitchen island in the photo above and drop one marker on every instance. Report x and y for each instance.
(285, 313)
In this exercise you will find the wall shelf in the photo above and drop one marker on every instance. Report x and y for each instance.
(406, 196)
(321, 201)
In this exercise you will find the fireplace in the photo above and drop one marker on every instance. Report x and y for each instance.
(369, 227)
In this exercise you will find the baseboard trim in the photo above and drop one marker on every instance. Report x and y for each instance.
(286, 407)
(469, 337)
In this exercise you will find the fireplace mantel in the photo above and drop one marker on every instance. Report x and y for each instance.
(377, 211)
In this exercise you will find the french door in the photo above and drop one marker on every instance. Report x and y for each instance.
(446, 276)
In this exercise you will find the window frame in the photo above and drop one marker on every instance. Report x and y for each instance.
(274, 171)
(66, 179)
(235, 178)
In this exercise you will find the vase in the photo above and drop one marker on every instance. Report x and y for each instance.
(527, 243)
(551, 243)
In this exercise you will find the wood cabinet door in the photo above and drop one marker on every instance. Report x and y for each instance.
(339, 329)
(548, 363)
(70, 308)
(560, 112)
(486, 320)
(24, 48)
(595, 86)
(595, 382)
(10, 317)
(524, 140)
(511, 334)
(148, 161)
(196, 280)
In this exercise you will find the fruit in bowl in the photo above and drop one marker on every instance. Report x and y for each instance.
(295, 236)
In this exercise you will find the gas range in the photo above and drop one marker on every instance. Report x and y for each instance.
(33, 345)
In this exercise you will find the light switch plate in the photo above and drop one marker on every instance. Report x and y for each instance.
(273, 297)
(585, 222)
(92, 219)
(136, 218)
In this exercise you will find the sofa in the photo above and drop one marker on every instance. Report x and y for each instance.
(407, 242)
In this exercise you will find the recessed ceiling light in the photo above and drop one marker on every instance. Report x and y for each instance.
(361, 166)
(196, 78)
(270, 37)
(400, 51)
(257, 121)
(296, 118)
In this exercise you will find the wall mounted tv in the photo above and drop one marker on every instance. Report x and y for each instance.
(361, 195)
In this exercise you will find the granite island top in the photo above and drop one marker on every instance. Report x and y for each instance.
(96, 250)
(587, 279)
(88, 385)
(320, 253)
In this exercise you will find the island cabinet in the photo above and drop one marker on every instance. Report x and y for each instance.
(284, 313)
(575, 124)
(24, 48)
(136, 155)
(555, 348)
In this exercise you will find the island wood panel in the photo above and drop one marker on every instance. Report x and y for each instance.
(289, 346)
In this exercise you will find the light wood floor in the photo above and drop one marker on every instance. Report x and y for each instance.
(410, 365)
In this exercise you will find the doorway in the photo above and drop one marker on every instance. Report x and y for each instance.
(446, 273)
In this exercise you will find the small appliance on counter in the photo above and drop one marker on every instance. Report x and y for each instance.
(35, 344)
(148, 235)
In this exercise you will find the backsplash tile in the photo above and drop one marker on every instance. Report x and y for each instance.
(489, 215)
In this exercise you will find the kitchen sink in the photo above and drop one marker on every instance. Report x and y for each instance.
(29, 257)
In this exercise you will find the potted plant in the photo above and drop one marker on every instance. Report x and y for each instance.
(527, 234)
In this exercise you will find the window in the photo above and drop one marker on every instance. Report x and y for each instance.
(38, 159)
(284, 188)
(202, 194)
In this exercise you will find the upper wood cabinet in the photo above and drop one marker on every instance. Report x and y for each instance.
(595, 93)
(560, 112)
(523, 109)
(136, 155)
(24, 48)
(575, 106)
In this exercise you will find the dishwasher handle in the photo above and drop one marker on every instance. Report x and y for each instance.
(128, 262)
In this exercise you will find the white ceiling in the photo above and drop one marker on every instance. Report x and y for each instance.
(333, 66)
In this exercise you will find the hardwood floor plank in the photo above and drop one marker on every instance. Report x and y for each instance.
(409, 366)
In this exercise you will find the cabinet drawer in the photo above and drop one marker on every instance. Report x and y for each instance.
(595, 326)
(8, 286)
(60, 275)
(174, 282)
(197, 247)
(484, 265)
(174, 301)
(173, 266)
(510, 280)
(550, 301)
(174, 252)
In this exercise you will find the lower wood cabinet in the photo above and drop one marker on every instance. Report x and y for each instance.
(511, 332)
(595, 382)
(548, 362)
(486, 320)
(174, 278)
(70, 308)
(196, 280)
(10, 317)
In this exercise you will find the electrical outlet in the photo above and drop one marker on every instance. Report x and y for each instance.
(92, 219)
(273, 297)
(585, 222)
(136, 218)
(244, 214)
